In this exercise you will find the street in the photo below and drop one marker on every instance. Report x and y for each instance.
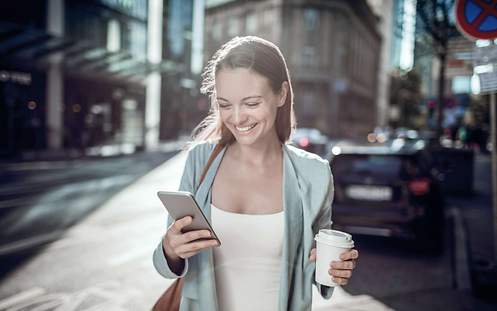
(103, 261)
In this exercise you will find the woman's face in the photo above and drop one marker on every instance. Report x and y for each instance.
(247, 104)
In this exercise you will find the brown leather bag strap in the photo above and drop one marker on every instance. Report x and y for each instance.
(213, 155)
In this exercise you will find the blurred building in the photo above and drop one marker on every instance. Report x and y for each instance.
(332, 49)
(76, 74)
(397, 26)
(384, 9)
(183, 45)
(392, 16)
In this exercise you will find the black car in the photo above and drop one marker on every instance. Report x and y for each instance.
(388, 190)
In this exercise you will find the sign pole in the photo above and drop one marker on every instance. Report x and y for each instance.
(493, 120)
(478, 20)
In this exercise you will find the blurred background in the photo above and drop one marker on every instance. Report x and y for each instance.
(98, 97)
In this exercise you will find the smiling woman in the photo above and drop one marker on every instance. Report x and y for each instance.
(245, 74)
(265, 199)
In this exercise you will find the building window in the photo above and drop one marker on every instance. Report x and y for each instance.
(311, 19)
(217, 31)
(113, 35)
(233, 26)
(136, 42)
(308, 55)
(251, 23)
(310, 49)
(269, 16)
(461, 84)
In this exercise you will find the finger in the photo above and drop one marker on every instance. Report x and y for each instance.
(343, 265)
(346, 274)
(312, 257)
(196, 246)
(181, 223)
(195, 235)
(350, 254)
(340, 281)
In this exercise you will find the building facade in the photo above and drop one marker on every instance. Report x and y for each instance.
(87, 73)
(334, 72)
(87, 60)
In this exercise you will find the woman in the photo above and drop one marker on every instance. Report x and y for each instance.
(266, 200)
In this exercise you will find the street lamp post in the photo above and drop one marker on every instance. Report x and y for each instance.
(493, 120)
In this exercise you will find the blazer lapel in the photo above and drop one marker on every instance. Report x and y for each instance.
(206, 277)
(292, 193)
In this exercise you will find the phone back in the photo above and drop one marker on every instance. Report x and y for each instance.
(180, 204)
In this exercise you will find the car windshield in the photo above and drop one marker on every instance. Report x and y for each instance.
(377, 165)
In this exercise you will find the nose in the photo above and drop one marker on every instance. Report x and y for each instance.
(238, 115)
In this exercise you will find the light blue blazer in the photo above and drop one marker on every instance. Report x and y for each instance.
(308, 193)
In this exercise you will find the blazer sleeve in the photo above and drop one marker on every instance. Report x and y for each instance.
(159, 258)
(323, 221)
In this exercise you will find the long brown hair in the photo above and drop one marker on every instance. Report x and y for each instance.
(256, 54)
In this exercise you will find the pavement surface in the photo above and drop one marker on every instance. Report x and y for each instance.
(103, 261)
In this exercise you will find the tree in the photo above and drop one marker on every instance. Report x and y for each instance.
(437, 21)
(405, 93)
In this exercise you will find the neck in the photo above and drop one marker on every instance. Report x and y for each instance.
(263, 153)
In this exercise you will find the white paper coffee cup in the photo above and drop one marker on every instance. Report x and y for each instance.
(330, 244)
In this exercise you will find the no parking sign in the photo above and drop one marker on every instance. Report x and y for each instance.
(477, 19)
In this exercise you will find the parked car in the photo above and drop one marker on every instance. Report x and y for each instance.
(388, 190)
(310, 139)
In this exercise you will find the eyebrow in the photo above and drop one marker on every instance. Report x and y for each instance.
(245, 98)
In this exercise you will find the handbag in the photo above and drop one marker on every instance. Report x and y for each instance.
(171, 298)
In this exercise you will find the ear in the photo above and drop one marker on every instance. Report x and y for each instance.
(283, 94)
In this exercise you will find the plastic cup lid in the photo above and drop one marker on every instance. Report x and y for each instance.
(335, 238)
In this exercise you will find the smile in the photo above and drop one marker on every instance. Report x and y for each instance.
(245, 129)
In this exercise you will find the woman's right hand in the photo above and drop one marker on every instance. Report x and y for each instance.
(178, 245)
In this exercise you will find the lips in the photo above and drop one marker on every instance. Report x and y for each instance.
(246, 128)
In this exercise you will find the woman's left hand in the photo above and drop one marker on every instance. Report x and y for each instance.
(341, 271)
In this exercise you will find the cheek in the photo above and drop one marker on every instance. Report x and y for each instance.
(224, 114)
(272, 111)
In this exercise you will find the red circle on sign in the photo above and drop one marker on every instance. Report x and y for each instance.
(471, 29)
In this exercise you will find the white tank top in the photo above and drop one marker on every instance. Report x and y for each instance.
(247, 264)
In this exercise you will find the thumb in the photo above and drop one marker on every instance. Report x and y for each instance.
(312, 257)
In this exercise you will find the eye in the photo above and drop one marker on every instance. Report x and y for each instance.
(252, 104)
(224, 106)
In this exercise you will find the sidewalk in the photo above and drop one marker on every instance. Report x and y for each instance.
(105, 262)
(477, 214)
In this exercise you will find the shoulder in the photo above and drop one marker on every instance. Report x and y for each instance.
(198, 152)
(202, 147)
(309, 166)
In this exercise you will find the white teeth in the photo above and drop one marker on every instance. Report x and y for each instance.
(244, 129)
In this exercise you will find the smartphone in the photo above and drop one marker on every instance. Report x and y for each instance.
(180, 204)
